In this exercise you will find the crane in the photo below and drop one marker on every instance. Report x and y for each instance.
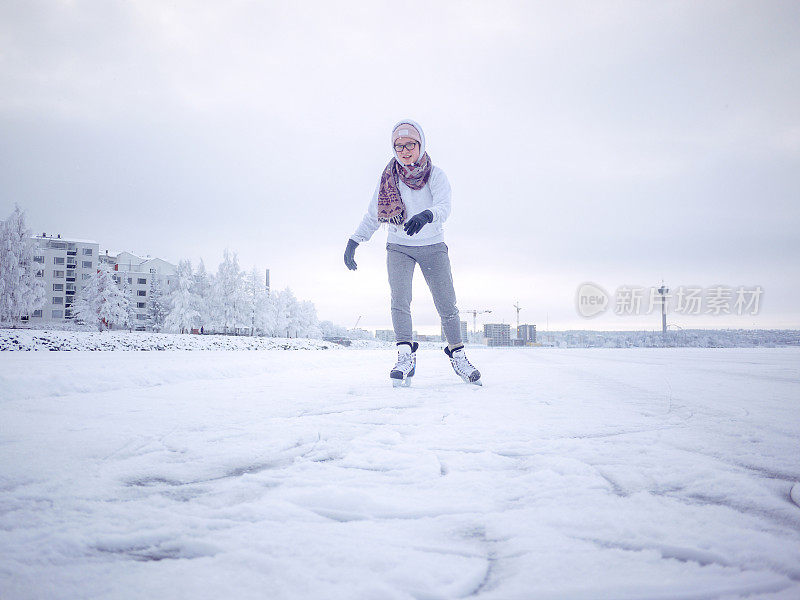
(519, 308)
(358, 320)
(475, 314)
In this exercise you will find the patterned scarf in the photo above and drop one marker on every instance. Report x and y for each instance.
(390, 204)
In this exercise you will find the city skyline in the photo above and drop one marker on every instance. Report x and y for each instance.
(616, 144)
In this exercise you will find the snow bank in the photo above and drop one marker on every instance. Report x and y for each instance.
(28, 339)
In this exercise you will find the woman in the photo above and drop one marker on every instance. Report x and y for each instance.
(413, 199)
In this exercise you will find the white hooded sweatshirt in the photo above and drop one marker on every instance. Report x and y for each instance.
(433, 196)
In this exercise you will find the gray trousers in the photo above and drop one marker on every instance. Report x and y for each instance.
(435, 264)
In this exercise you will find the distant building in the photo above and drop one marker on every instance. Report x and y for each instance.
(139, 272)
(527, 333)
(385, 335)
(464, 337)
(358, 334)
(63, 264)
(497, 334)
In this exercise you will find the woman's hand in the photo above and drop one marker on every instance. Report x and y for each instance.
(415, 223)
(349, 255)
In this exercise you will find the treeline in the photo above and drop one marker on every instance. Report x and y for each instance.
(230, 301)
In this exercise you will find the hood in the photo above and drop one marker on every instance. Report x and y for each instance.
(422, 146)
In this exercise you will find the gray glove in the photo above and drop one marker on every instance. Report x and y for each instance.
(349, 255)
(418, 221)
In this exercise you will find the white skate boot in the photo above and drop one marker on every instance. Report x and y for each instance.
(462, 366)
(406, 365)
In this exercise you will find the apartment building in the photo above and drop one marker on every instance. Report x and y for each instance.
(497, 334)
(140, 272)
(63, 264)
(385, 335)
(527, 333)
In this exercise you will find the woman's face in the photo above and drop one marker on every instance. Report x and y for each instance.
(404, 155)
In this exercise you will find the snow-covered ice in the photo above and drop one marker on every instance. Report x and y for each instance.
(626, 474)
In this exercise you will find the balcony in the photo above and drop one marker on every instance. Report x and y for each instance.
(72, 253)
(71, 279)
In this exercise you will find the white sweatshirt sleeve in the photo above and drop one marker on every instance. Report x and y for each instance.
(369, 224)
(440, 190)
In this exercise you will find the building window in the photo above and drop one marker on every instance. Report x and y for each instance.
(39, 259)
(57, 314)
(130, 280)
(58, 287)
(58, 300)
(86, 276)
(58, 260)
(58, 273)
(141, 305)
(141, 280)
(87, 264)
(141, 293)
(141, 317)
(37, 313)
(152, 270)
(40, 273)
(87, 251)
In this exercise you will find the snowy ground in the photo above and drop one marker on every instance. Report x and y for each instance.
(638, 473)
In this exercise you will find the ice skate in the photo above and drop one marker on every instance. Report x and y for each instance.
(406, 365)
(463, 368)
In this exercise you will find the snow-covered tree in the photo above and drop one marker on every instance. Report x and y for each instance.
(86, 307)
(183, 314)
(308, 323)
(21, 292)
(266, 315)
(101, 303)
(156, 304)
(330, 329)
(230, 302)
(260, 306)
(286, 313)
(202, 289)
(130, 304)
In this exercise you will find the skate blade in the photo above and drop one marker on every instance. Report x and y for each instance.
(401, 383)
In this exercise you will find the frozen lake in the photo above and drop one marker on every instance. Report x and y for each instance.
(577, 474)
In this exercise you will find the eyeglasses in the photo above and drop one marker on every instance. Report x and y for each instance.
(409, 146)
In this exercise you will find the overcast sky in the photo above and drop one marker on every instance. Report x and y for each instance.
(620, 143)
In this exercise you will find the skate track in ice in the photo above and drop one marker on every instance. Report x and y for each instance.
(572, 474)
